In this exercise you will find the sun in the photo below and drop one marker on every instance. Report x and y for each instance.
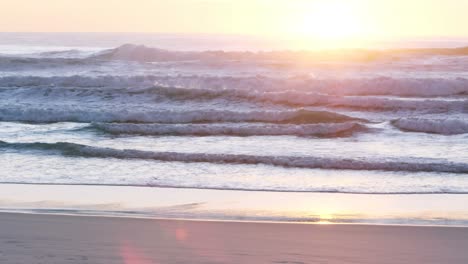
(328, 21)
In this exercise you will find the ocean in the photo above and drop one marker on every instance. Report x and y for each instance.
(233, 114)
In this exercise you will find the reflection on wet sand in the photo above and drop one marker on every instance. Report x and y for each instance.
(169, 203)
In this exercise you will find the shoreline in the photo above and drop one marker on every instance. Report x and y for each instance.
(236, 206)
(225, 220)
(75, 239)
(228, 189)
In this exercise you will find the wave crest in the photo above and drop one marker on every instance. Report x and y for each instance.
(298, 87)
(236, 129)
(72, 149)
(46, 114)
(437, 126)
(144, 53)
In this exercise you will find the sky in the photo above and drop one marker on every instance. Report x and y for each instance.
(318, 19)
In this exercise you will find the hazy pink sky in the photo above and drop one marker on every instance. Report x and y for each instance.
(309, 18)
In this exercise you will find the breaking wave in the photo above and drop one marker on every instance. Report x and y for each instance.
(300, 86)
(79, 87)
(78, 150)
(298, 98)
(437, 126)
(88, 115)
(144, 53)
(232, 129)
(27, 63)
(78, 81)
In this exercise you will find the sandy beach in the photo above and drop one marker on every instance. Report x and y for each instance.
(28, 238)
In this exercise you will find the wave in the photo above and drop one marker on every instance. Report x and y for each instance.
(437, 126)
(295, 88)
(284, 98)
(69, 53)
(298, 98)
(49, 59)
(28, 63)
(236, 129)
(149, 54)
(78, 150)
(48, 114)
(142, 53)
(78, 81)
(146, 54)
(379, 86)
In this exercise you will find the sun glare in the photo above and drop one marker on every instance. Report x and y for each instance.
(328, 21)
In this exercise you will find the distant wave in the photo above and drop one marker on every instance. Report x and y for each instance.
(77, 81)
(447, 126)
(285, 98)
(144, 53)
(88, 115)
(27, 63)
(295, 87)
(232, 129)
(408, 87)
(50, 52)
(70, 53)
(298, 98)
(71, 149)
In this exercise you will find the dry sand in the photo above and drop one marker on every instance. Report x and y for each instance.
(27, 238)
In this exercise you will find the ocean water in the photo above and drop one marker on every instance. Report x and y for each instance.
(214, 113)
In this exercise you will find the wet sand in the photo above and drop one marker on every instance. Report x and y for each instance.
(180, 203)
(29, 238)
